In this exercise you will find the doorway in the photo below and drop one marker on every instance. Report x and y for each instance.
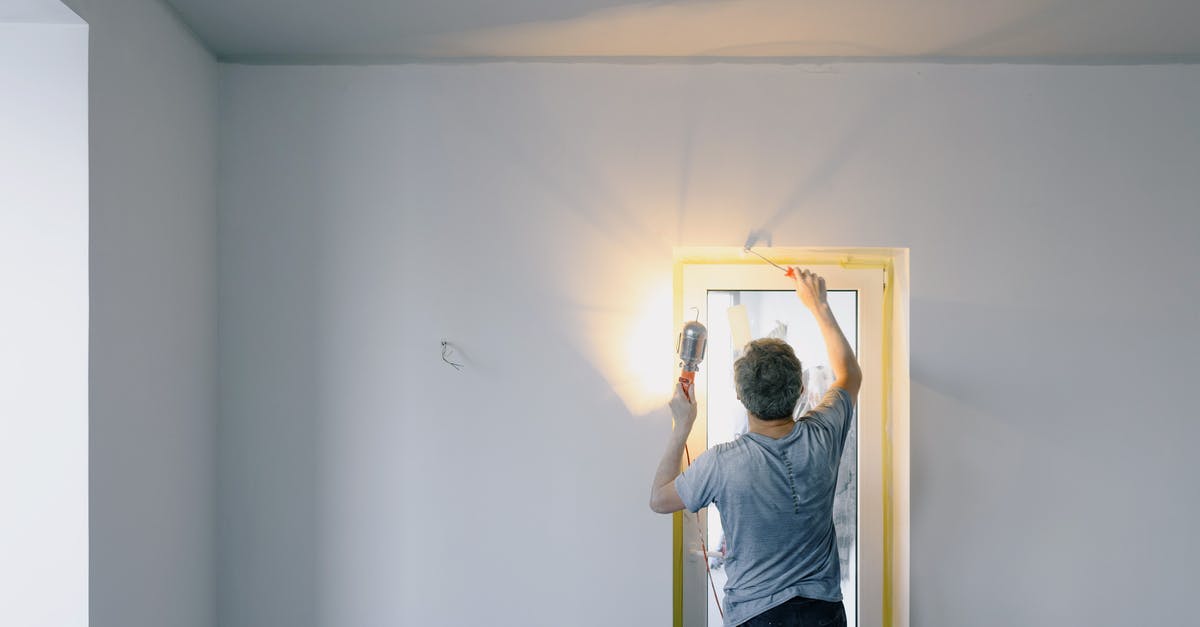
(739, 300)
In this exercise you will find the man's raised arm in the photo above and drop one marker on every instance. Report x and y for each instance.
(664, 499)
(811, 290)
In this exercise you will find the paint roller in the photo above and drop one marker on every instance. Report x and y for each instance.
(790, 272)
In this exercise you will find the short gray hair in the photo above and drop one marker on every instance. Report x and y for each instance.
(767, 378)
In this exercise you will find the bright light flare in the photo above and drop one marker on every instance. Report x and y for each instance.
(632, 345)
(649, 358)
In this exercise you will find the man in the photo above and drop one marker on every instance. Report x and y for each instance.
(774, 486)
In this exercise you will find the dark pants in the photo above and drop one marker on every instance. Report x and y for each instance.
(801, 612)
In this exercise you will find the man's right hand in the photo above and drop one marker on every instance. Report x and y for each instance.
(683, 407)
(810, 288)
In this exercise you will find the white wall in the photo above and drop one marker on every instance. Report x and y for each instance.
(153, 328)
(43, 322)
(527, 213)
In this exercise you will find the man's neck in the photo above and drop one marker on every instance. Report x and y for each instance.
(774, 429)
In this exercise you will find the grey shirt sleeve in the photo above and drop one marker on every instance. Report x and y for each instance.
(697, 484)
(834, 413)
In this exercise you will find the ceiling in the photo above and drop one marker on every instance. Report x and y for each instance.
(286, 31)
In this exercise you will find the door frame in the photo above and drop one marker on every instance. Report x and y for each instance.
(893, 398)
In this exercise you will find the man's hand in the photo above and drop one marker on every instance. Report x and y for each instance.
(663, 497)
(683, 408)
(810, 288)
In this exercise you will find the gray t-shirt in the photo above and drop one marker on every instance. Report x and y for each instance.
(776, 504)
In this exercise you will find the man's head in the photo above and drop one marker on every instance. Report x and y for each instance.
(767, 378)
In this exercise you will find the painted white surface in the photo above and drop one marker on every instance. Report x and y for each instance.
(1064, 29)
(44, 325)
(527, 213)
(153, 327)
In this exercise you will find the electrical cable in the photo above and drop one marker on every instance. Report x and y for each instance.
(704, 546)
(448, 351)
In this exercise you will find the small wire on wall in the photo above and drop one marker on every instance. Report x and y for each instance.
(449, 356)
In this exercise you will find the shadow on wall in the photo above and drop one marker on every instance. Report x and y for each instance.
(343, 430)
(605, 219)
(598, 263)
